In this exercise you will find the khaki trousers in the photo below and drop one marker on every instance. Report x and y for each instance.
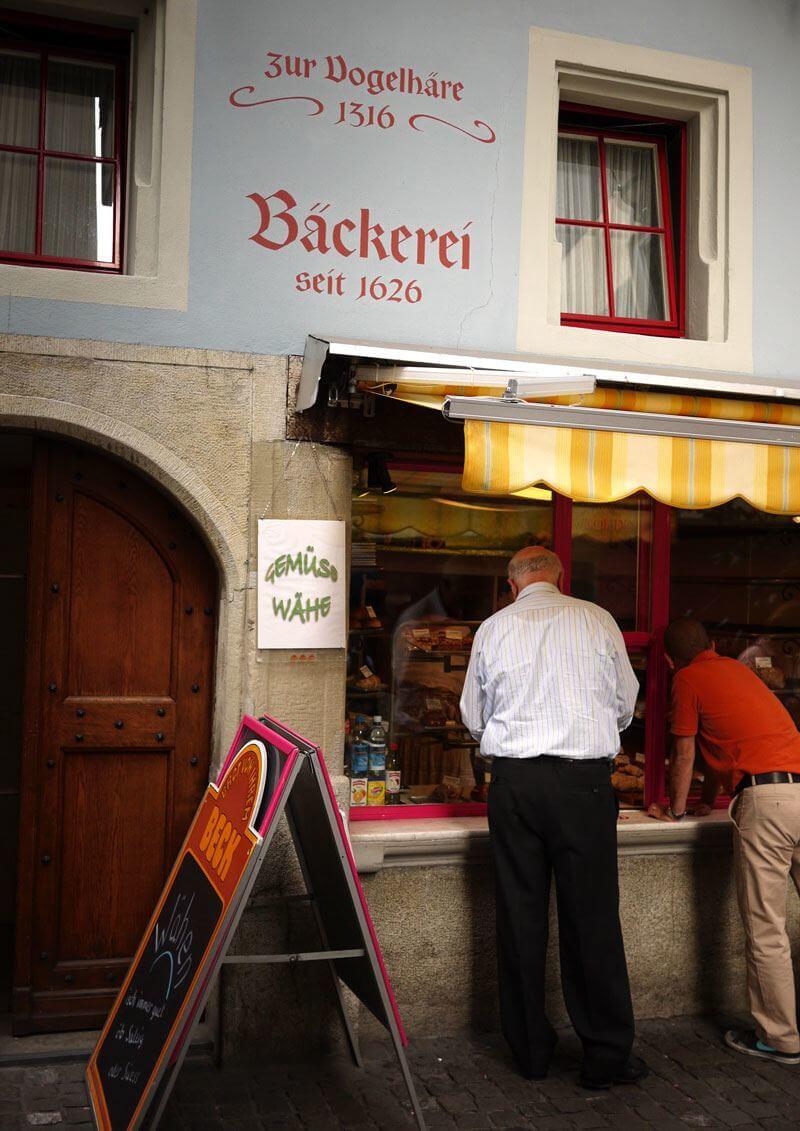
(766, 853)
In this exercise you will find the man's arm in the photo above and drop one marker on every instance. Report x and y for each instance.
(680, 772)
(684, 723)
(473, 697)
(627, 683)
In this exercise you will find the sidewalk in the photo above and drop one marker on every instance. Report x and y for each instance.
(463, 1083)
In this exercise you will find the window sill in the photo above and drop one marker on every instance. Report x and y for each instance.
(455, 840)
(167, 291)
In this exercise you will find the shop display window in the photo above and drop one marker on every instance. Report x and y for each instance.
(738, 571)
(429, 565)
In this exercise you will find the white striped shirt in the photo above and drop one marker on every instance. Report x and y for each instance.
(549, 675)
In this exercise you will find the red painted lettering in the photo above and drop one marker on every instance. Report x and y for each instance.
(285, 217)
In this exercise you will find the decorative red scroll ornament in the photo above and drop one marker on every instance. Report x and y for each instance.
(412, 121)
(318, 106)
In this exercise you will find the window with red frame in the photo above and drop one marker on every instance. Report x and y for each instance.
(620, 221)
(63, 106)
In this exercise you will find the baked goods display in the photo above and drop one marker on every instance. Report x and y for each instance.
(773, 677)
(628, 774)
(365, 679)
(364, 617)
(429, 706)
(417, 637)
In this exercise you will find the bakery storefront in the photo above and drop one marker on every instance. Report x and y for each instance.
(665, 503)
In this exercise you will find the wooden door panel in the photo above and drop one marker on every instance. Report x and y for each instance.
(121, 606)
(119, 691)
(115, 808)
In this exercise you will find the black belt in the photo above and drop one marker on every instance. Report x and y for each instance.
(777, 777)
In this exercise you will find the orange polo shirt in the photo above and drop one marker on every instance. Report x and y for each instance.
(741, 727)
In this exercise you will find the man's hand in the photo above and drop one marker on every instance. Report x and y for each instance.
(659, 813)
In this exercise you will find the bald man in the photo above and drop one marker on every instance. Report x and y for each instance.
(548, 689)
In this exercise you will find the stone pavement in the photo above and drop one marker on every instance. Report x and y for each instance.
(463, 1083)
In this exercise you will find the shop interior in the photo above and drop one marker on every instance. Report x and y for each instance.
(428, 565)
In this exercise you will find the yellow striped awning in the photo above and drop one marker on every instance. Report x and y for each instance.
(602, 467)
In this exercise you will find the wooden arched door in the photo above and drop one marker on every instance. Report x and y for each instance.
(122, 600)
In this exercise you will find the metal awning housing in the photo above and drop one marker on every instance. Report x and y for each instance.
(428, 365)
(498, 410)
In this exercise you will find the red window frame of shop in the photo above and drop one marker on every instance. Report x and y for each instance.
(674, 326)
(113, 55)
(652, 617)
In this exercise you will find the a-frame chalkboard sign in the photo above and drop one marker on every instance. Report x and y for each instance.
(269, 771)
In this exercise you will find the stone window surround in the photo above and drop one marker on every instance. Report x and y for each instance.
(158, 190)
(459, 840)
(715, 100)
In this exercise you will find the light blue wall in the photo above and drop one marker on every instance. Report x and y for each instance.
(243, 296)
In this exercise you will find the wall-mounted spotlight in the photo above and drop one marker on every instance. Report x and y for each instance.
(378, 477)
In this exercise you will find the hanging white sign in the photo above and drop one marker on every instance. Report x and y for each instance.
(301, 583)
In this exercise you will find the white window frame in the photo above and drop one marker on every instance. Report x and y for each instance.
(715, 100)
(159, 167)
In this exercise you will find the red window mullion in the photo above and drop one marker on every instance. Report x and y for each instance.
(613, 227)
(644, 573)
(669, 258)
(682, 236)
(673, 241)
(121, 74)
(657, 674)
(41, 152)
(562, 536)
(606, 232)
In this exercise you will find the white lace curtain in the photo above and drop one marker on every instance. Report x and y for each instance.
(19, 125)
(77, 220)
(637, 258)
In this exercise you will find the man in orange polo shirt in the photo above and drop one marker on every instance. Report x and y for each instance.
(750, 745)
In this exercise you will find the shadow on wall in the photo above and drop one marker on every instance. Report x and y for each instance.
(717, 971)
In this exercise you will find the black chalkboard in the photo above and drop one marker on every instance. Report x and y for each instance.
(158, 988)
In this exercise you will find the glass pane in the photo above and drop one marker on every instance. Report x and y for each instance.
(737, 570)
(584, 288)
(632, 184)
(628, 776)
(78, 210)
(637, 261)
(611, 556)
(428, 565)
(578, 194)
(17, 202)
(80, 108)
(19, 99)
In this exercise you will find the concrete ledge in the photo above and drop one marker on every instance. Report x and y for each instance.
(454, 840)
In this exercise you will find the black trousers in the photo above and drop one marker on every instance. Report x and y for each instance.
(553, 817)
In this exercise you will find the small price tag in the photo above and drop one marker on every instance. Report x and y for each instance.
(365, 671)
(433, 704)
(763, 661)
(371, 613)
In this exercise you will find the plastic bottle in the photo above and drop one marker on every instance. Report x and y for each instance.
(359, 761)
(376, 764)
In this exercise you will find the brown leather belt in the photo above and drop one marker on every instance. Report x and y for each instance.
(776, 777)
